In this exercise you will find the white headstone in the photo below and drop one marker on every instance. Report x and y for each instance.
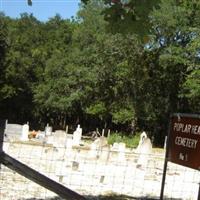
(41, 136)
(101, 142)
(97, 147)
(143, 136)
(13, 131)
(25, 132)
(59, 138)
(144, 150)
(77, 136)
(48, 130)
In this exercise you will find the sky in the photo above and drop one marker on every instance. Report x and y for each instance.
(41, 9)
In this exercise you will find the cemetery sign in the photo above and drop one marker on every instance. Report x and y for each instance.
(184, 140)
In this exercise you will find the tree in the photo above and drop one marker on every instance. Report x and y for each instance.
(130, 16)
(19, 72)
(50, 92)
(96, 69)
(175, 28)
(3, 46)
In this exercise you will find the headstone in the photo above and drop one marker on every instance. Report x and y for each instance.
(143, 136)
(101, 142)
(144, 150)
(118, 151)
(40, 136)
(13, 131)
(77, 136)
(59, 138)
(25, 132)
(48, 130)
(97, 147)
(69, 143)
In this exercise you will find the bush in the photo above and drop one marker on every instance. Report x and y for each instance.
(130, 141)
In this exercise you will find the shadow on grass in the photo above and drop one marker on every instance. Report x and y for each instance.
(109, 197)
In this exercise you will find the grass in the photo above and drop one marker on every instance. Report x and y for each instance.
(130, 141)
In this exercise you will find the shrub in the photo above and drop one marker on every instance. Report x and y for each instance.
(130, 141)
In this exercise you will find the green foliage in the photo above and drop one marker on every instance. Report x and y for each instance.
(3, 49)
(127, 16)
(193, 84)
(97, 109)
(130, 141)
(97, 72)
(122, 115)
(192, 90)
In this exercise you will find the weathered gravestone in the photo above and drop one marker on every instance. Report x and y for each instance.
(48, 130)
(77, 136)
(143, 150)
(98, 147)
(13, 131)
(25, 132)
(118, 151)
(59, 139)
(17, 131)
